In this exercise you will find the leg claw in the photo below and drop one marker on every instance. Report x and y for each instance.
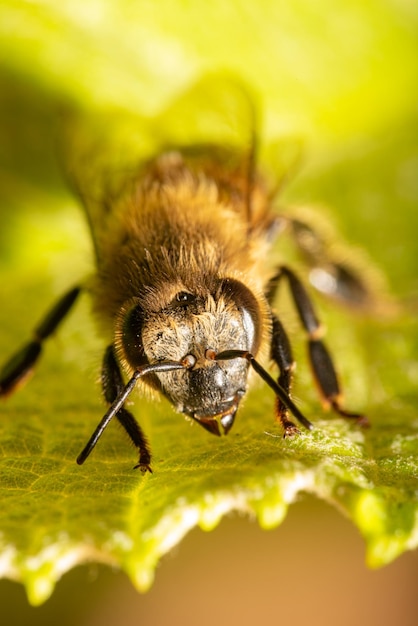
(143, 467)
(290, 430)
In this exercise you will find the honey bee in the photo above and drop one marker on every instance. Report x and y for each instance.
(184, 292)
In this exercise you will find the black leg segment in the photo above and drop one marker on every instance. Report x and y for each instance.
(113, 385)
(21, 364)
(320, 359)
(281, 353)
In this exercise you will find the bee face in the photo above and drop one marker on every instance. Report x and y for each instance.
(197, 326)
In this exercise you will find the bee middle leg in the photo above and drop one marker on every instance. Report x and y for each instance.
(113, 386)
(321, 362)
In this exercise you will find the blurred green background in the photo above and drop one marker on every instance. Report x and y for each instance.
(339, 75)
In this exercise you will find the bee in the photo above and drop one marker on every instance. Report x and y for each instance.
(185, 295)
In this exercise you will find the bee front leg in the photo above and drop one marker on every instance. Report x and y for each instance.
(20, 366)
(112, 386)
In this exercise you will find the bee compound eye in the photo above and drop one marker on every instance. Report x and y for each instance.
(130, 323)
(246, 303)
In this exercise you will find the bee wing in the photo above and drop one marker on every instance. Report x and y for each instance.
(77, 169)
(218, 109)
(99, 157)
(217, 123)
(215, 126)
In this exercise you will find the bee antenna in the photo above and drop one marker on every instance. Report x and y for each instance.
(149, 368)
(228, 355)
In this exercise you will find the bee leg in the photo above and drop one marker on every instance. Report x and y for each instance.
(281, 353)
(21, 364)
(331, 277)
(320, 359)
(113, 385)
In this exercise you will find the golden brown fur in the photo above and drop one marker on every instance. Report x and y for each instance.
(180, 228)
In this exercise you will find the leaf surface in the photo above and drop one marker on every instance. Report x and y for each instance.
(361, 166)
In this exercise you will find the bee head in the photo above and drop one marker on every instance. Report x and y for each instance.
(197, 327)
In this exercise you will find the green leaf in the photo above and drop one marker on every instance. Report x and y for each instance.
(310, 81)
